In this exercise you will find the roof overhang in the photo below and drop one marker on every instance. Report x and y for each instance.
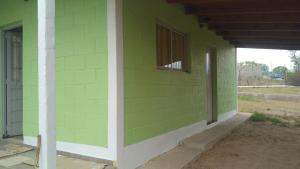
(273, 24)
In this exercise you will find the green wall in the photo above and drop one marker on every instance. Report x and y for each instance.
(159, 101)
(81, 67)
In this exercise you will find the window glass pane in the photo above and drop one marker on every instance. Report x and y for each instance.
(16, 55)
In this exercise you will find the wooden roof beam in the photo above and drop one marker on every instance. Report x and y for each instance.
(262, 39)
(197, 2)
(268, 46)
(266, 42)
(259, 33)
(238, 4)
(243, 12)
(256, 18)
(255, 26)
(198, 10)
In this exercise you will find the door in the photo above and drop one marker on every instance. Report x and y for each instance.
(211, 74)
(14, 83)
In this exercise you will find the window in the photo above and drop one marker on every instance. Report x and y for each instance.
(171, 49)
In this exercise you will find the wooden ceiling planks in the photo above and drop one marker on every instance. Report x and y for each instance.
(250, 23)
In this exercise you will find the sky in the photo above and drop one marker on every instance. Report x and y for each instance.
(272, 58)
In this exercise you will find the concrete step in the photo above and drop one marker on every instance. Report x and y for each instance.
(194, 146)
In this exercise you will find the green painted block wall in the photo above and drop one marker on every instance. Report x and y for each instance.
(81, 67)
(159, 101)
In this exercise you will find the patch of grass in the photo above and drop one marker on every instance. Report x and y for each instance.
(258, 117)
(298, 122)
(272, 90)
(247, 98)
(283, 121)
(266, 106)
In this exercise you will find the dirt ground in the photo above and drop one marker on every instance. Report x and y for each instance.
(255, 145)
(259, 145)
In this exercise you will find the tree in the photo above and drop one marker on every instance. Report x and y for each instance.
(259, 66)
(264, 69)
(294, 77)
(280, 72)
(295, 58)
(251, 72)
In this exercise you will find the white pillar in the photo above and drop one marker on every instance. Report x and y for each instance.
(115, 80)
(46, 76)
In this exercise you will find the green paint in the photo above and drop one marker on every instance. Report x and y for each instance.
(158, 101)
(227, 81)
(81, 73)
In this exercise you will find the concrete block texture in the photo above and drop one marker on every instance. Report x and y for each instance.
(81, 67)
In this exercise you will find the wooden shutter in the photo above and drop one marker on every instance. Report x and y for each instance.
(178, 50)
(163, 47)
(171, 49)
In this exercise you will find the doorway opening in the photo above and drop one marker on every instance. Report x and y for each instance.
(13, 82)
(211, 73)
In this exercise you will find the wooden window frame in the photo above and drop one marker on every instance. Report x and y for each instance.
(185, 67)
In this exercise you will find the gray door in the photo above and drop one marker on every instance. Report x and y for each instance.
(14, 88)
(211, 74)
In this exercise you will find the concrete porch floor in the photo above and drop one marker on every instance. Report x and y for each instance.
(68, 159)
(194, 146)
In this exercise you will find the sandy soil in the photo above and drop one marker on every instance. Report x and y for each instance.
(254, 146)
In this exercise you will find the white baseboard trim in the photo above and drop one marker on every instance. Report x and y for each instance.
(226, 116)
(79, 149)
(138, 154)
(223, 117)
